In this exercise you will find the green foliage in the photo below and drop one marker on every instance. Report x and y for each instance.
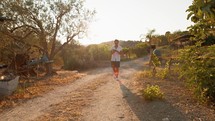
(141, 49)
(99, 52)
(202, 13)
(80, 57)
(155, 61)
(197, 63)
(149, 36)
(152, 92)
(46, 22)
(163, 40)
(163, 73)
(125, 50)
(198, 69)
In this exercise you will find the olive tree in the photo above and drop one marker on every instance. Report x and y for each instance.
(49, 21)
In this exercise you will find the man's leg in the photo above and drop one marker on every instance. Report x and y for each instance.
(117, 72)
(113, 67)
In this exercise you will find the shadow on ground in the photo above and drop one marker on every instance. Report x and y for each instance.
(153, 110)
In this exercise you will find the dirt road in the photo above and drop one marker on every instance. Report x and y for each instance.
(117, 101)
(96, 97)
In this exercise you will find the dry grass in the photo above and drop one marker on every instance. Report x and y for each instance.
(29, 89)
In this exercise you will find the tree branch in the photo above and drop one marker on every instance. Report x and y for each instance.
(59, 18)
(69, 39)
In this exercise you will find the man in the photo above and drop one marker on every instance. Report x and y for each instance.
(115, 58)
(157, 53)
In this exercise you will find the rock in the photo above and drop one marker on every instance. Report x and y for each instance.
(165, 119)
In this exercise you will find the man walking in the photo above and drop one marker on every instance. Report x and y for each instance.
(115, 58)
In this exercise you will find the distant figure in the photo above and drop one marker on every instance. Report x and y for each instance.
(115, 58)
(156, 52)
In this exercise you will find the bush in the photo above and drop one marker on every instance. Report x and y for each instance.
(141, 49)
(80, 57)
(152, 93)
(198, 69)
(165, 72)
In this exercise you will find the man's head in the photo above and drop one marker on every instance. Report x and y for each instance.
(116, 42)
(153, 47)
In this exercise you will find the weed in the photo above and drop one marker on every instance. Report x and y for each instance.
(152, 93)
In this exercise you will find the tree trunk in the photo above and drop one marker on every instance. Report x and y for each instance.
(49, 67)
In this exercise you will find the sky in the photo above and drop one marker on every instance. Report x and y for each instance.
(129, 19)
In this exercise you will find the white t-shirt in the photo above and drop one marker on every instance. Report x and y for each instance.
(116, 56)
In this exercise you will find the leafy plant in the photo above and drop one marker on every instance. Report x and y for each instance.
(198, 69)
(202, 13)
(155, 60)
(197, 62)
(152, 92)
(163, 74)
(141, 49)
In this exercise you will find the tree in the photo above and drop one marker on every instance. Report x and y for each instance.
(202, 13)
(163, 40)
(167, 35)
(149, 35)
(49, 20)
(197, 62)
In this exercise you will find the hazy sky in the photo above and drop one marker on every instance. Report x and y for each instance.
(128, 19)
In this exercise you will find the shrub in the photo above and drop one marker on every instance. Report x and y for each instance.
(155, 61)
(164, 73)
(198, 69)
(141, 49)
(152, 92)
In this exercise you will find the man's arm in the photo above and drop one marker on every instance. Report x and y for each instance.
(113, 51)
(119, 52)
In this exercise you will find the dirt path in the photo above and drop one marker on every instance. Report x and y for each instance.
(117, 101)
(96, 97)
(37, 107)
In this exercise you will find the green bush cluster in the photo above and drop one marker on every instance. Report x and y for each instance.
(141, 49)
(81, 57)
(198, 69)
(152, 92)
(165, 72)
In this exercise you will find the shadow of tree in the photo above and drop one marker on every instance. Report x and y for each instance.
(159, 110)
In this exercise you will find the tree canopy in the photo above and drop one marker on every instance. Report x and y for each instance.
(48, 20)
(45, 22)
(202, 13)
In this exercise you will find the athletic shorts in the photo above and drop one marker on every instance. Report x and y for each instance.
(115, 64)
